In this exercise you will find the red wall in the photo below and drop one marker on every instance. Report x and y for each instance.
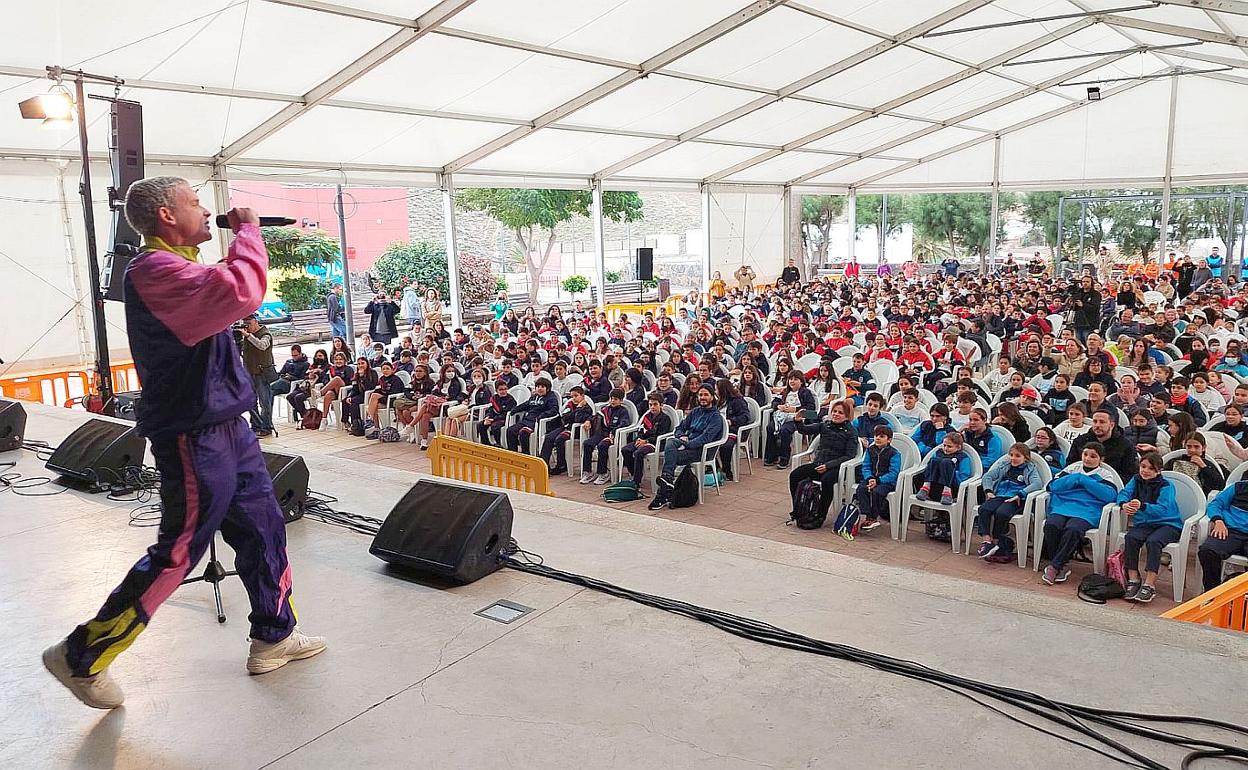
(377, 217)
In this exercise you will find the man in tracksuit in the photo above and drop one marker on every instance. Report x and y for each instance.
(703, 425)
(1228, 536)
(213, 475)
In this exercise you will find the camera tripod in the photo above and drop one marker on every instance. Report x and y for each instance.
(213, 573)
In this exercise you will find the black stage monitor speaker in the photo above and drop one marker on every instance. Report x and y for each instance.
(128, 404)
(645, 264)
(446, 531)
(98, 452)
(290, 483)
(12, 425)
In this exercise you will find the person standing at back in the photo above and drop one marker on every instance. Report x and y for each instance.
(335, 313)
(213, 475)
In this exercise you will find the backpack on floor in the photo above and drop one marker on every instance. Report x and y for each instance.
(622, 492)
(1098, 589)
(312, 419)
(846, 523)
(806, 513)
(388, 435)
(937, 527)
(685, 491)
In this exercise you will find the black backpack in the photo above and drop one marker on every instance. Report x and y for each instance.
(806, 514)
(685, 490)
(1098, 589)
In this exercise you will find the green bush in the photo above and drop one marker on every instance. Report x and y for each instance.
(500, 284)
(575, 284)
(425, 263)
(303, 292)
(613, 276)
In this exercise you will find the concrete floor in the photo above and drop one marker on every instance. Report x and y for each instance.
(414, 679)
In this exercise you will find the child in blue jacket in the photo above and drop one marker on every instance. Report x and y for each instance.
(1007, 484)
(947, 470)
(1048, 448)
(1229, 534)
(1080, 492)
(931, 432)
(877, 477)
(1156, 523)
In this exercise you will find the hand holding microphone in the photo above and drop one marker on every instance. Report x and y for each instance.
(235, 217)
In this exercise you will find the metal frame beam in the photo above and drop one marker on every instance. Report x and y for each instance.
(1008, 130)
(447, 183)
(367, 62)
(874, 152)
(798, 85)
(1168, 179)
(1225, 61)
(1236, 7)
(1173, 29)
(906, 98)
(653, 64)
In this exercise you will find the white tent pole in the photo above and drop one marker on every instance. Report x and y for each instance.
(786, 202)
(706, 238)
(221, 199)
(851, 214)
(600, 252)
(996, 206)
(1168, 183)
(452, 255)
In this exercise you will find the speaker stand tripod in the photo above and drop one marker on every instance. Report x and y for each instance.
(213, 573)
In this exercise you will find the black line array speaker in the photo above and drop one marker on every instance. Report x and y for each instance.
(446, 531)
(645, 264)
(125, 151)
(290, 483)
(12, 425)
(98, 452)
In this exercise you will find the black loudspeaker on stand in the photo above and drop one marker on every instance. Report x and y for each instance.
(12, 425)
(446, 531)
(645, 264)
(98, 452)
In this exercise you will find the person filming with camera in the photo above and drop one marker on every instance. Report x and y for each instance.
(213, 475)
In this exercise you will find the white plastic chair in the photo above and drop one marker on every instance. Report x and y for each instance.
(577, 438)
(884, 372)
(845, 482)
(1040, 511)
(1034, 421)
(1202, 534)
(1191, 501)
(968, 491)
(1020, 523)
(613, 452)
(745, 439)
(807, 362)
(709, 462)
(654, 460)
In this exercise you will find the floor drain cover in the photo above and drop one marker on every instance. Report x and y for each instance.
(504, 611)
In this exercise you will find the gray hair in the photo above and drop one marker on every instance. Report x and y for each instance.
(146, 197)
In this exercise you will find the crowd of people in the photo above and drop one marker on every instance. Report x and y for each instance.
(1107, 383)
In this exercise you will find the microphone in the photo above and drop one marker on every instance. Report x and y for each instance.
(224, 222)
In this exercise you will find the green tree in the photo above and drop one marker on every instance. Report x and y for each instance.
(425, 263)
(962, 221)
(1134, 226)
(870, 208)
(819, 212)
(292, 248)
(303, 292)
(575, 284)
(532, 216)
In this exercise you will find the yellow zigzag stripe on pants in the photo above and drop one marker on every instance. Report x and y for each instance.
(124, 629)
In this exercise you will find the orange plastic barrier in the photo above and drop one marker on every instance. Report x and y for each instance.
(454, 458)
(1224, 607)
(60, 387)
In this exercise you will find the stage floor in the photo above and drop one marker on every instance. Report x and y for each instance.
(413, 678)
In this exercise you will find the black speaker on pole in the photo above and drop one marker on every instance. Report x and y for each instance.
(446, 531)
(125, 151)
(98, 452)
(645, 264)
(12, 425)
(290, 483)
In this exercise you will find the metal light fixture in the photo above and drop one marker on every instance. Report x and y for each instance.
(1094, 93)
(55, 108)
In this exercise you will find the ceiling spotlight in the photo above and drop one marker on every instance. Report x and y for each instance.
(55, 108)
(1094, 93)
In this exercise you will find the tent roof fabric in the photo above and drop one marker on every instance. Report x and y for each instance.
(831, 94)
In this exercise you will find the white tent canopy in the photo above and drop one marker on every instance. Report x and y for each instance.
(821, 94)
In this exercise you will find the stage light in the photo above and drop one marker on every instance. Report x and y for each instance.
(55, 108)
(1094, 94)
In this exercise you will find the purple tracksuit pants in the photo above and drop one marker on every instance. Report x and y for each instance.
(210, 479)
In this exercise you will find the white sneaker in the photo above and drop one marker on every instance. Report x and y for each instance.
(406, 431)
(98, 692)
(587, 477)
(424, 443)
(603, 478)
(265, 657)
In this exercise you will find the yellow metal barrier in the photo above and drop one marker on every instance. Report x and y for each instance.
(1224, 607)
(453, 458)
(634, 309)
